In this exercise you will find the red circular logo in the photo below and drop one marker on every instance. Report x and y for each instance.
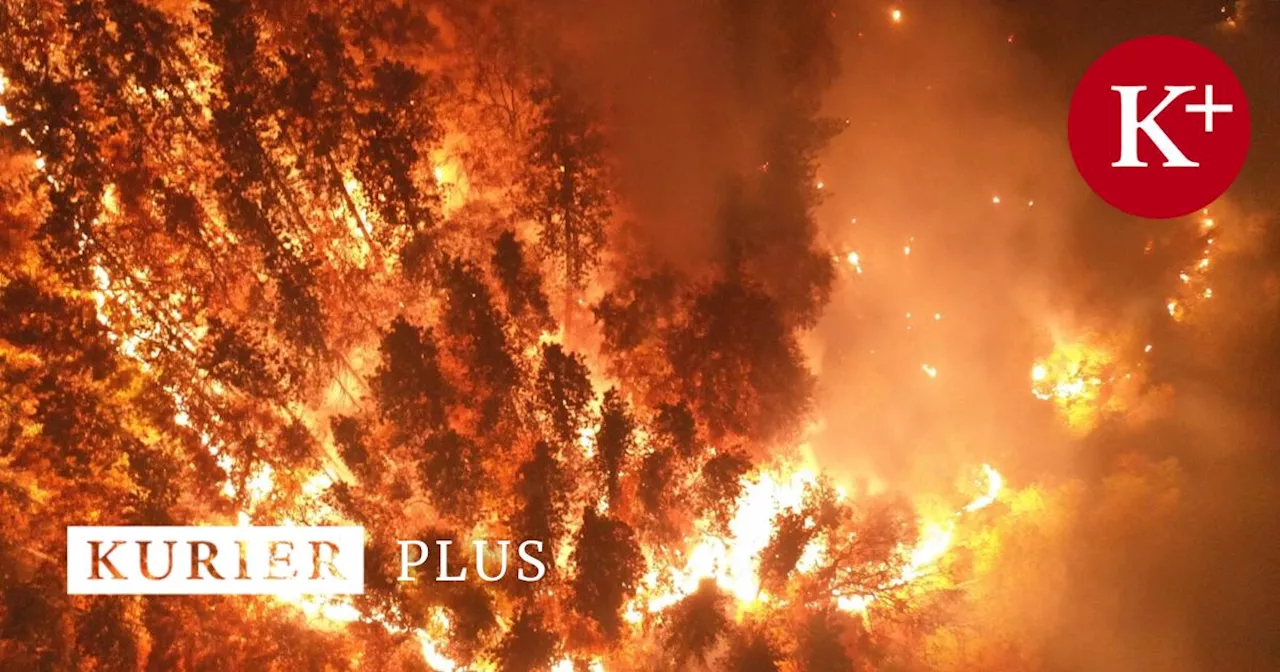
(1159, 127)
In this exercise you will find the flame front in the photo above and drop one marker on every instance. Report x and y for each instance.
(732, 562)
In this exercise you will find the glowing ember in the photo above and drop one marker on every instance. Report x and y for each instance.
(1193, 288)
(854, 261)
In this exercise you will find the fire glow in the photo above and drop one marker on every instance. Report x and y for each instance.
(283, 271)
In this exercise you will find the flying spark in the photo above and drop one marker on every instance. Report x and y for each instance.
(854, 261)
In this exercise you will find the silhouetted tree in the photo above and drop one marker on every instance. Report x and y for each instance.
(567, 192)
(792, 532)
(541, 488)
(476, 333)
(608, 565)
(722, 483)
(614, 441)
(528, 644)
(451, 471)
(696, 623)
(821, 643)
(410, 387)
(392, 131)
(751, 649)
(564, 393)
(676, 430)
(740, 366)
(521, 285)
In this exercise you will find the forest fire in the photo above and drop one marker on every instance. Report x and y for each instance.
(586, 274)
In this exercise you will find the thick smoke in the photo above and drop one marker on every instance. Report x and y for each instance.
(661, 72)
(964, 103)
(955, 190)
(697, 98)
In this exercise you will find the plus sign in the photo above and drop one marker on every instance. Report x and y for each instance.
(1208, 108)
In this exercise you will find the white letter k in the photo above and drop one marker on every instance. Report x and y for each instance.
(1130, 125)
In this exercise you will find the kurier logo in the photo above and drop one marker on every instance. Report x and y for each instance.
(1159, 127)
(215, 560)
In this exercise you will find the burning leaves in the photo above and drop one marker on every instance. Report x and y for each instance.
(1079, 379)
